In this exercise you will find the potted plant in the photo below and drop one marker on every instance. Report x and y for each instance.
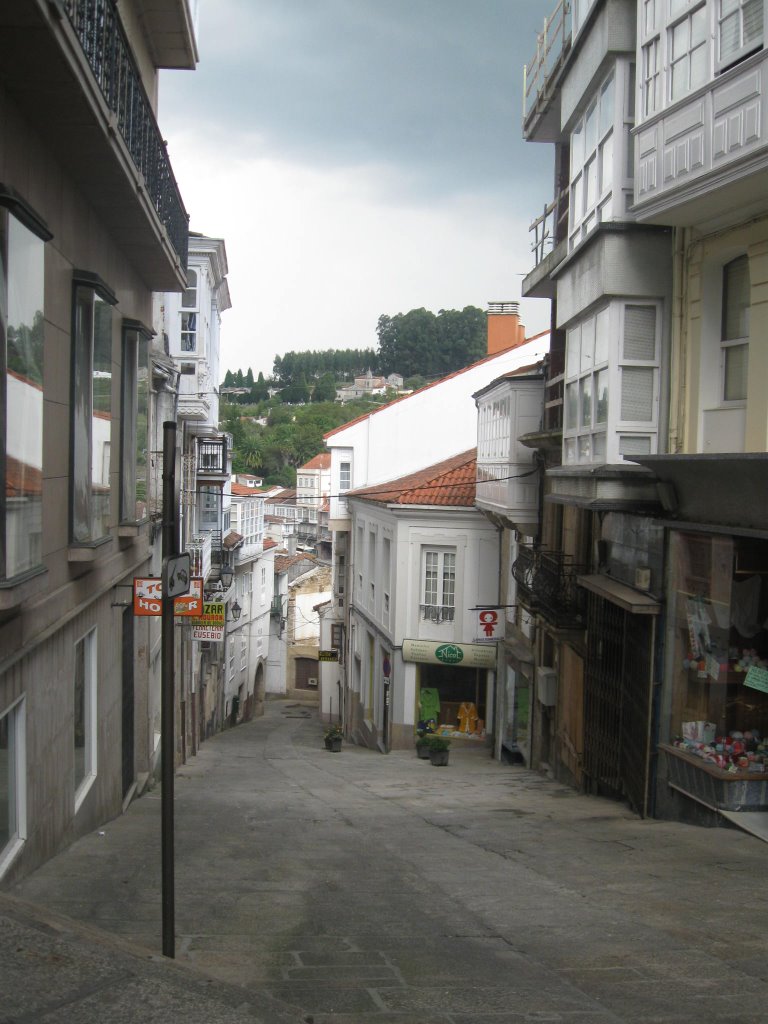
(333, 738)
(422, 747)
(438, 750)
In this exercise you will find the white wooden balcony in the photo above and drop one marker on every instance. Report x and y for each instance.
(705, 159)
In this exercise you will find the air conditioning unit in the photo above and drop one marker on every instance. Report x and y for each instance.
(312, 681)
(546, 686)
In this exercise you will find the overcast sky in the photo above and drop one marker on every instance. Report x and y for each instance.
(358, 157)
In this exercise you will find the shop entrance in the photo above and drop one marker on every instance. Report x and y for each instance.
(455, 696)
(617, 703)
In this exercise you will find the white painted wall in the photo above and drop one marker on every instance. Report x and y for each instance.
(423, 428)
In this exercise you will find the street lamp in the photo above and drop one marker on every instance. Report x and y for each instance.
(235, 611)
(227, 574)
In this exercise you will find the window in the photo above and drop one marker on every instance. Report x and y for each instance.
(13, 829)
(629, 369)
(651, 77)
(91, 408)
(638, 381)
(243, 653)
(231, 657)
(739, 30)
(135, 410)
(209, 506)
(735, 330)
(21, 391)
(345, 476)
(189, 302)
(439, 584)
(84, 693)
(189, 296)
(592, 164)
(687, 42)
(586, 389)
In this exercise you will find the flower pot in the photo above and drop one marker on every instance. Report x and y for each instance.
(335, 746)
(422, 751)
(439, 758)
(327, 743)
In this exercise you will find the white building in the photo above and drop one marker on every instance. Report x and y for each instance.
(424, 560)
(432, 424)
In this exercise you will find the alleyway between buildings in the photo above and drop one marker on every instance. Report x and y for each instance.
(357, 887)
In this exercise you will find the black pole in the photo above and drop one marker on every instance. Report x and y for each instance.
(167, 706)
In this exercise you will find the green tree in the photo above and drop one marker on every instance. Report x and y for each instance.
(325, 389)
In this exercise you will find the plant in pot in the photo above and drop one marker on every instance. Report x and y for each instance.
(438, 750)
(422, 743)
(333, 738)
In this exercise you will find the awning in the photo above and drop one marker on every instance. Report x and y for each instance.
(725, 490)
(631, 600)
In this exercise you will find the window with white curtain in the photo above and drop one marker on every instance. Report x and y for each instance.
(438, 583)
(735, 331)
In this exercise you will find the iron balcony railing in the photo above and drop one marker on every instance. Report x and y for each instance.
(105, 45)
(552, 45)
(437, 612)
(211, 457)
(546, 583)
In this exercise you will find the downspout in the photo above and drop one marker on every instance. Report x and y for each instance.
(501, 655)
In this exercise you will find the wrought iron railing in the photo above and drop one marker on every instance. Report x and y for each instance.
(211, 456)
(546, 583)
(437, 612)
(97, 26)
(552, 44)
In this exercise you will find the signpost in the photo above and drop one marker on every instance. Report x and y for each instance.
(327, 655)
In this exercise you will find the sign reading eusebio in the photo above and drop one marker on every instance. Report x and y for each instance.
(210, 625)
(466, 655)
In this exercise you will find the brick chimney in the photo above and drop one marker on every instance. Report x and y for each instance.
(504, 327)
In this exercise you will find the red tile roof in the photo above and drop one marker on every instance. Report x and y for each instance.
(321, 461)
(243, 491)
(449, 483)
(269, 543)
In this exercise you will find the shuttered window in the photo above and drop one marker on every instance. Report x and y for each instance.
(740, 29)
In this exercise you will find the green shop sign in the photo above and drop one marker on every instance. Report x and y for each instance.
(467, 655)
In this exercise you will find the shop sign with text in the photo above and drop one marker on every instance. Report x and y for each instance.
(466, 655)
(210, 625)
(148, 597)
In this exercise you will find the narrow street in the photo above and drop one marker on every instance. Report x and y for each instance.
(357, 887)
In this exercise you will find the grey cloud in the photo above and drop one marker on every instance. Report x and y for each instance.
(428, 88)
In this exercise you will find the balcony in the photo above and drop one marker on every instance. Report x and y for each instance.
(88, 103)
(547, 584)
(199, 549)
(508, 476)
(549, 244)
(541, 101)
(437, 612)
(211, 457)
(705, 160)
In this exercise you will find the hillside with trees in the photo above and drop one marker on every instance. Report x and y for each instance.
(273, 439)
(273, 436)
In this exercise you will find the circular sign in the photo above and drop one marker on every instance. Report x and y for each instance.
(449, 654)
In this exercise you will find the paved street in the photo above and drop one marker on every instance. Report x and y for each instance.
(357, 887)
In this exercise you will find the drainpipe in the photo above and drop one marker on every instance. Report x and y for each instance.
(501, 656)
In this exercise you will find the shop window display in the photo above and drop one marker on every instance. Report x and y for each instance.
(718, 700)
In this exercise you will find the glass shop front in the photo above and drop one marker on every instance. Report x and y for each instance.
(714, 727)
